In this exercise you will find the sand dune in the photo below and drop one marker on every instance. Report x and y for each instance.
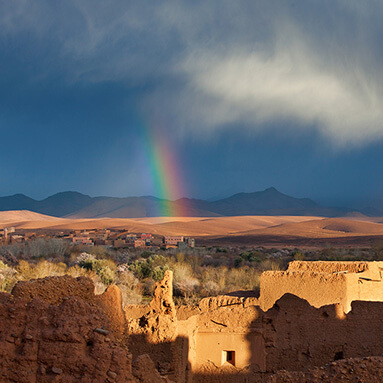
(225, 225)
(284, 226)
(25, 215)
(192, 226)
(322, 228)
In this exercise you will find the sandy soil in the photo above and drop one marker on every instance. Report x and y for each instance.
(193, 226)
(321, 228)
(25, 215)
(257, 230)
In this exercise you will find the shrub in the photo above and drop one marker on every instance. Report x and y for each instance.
(104, 268)
(7, 277)
(298, 256)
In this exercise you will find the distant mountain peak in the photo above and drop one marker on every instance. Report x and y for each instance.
(272, 189)
(74, 204)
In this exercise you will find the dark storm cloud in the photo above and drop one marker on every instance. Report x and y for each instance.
(316, 64)
(261, 93)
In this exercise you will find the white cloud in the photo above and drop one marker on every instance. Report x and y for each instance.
(292, 83)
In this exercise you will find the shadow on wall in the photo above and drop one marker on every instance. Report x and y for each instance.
(169, 358)
(292, 336)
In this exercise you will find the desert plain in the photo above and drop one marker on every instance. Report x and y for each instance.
(248, 230)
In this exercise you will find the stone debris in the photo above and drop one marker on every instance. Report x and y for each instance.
(57, 371)
(112, 374)
(363, 370)
(101, 331)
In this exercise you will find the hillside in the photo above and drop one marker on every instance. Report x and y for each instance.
(269, 202)
(25, 215)
(195, 226)
(321, 228)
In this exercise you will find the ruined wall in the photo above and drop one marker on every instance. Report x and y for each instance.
(57, 329)
(299, 336)
(328, 266)
(323, 283)
(43, 336)
(158, 333)
(111, 303)
(70, 342)
(212, 303)
(53, 289)
(317, 288)
(230, 328)
(291, 336)
(246, 348)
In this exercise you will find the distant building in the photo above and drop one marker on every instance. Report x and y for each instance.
(139, 243)
(157, 241)
(130, 238)
(173, 240)
(82, 241)
(8, 230)
(119, 243)
(190, 242)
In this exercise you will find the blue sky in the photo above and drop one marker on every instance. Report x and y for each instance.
(249, 94)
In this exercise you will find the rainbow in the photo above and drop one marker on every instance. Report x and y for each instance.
(164, 172)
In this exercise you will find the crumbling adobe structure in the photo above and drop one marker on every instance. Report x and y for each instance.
(57, 330)
(76, 336)
(323, 283)
(239, 336)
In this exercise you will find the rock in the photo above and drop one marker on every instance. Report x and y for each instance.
(57, 371)
(112, 374)
(101, 331)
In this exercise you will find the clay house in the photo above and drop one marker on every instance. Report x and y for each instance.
(130, 238)
(147, 238)
(82, 241)
(172, 241)
(139, 243)
(302, 318)
(323, 283)
(157, 241)
(119, 243)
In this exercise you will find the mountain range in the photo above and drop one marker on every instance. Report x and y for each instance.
(268, 202)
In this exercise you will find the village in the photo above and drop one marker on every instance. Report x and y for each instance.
(114, 238)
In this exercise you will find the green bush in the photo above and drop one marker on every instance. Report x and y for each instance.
(104, 268)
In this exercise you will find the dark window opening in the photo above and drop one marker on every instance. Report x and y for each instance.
(229, 357)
